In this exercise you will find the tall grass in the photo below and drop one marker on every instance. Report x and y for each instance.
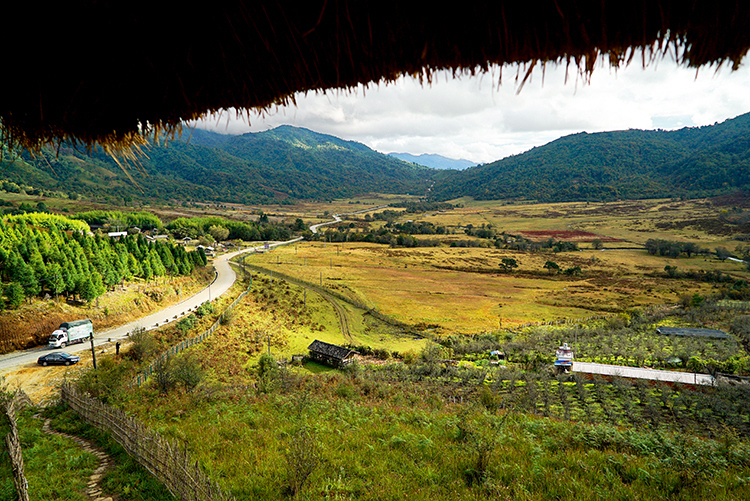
(382, 439)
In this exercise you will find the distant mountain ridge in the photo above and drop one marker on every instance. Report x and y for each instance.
(288, 163)
(690, 162)
(280, 165)
(434, 161)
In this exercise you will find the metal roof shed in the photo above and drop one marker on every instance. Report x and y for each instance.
(692, 332)
(331, 354)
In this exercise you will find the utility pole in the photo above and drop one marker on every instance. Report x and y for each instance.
(93, 351)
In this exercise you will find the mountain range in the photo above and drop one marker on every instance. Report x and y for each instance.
(434, 161)
(288, 163)
(689, 162)
(276, 166)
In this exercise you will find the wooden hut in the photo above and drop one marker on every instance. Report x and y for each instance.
(331, 354)
(131, 70)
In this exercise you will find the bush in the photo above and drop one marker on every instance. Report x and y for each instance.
(205, 309)
(186, 324)
(228, 317)
(303, 455)
(106, 382)
(489, 399)
(163, 374)
(268, 373)
(188, 371)
(144, 345)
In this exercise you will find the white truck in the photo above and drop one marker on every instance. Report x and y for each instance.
(71, 333)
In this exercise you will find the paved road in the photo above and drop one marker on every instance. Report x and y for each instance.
(225, 277)
(336, 219)
(314, 228)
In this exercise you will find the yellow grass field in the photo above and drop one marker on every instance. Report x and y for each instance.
(462, 290)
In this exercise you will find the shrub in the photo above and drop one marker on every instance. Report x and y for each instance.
(186, 324)
(268, 373)
(303, 456)
(228, 317)
(489, 399)
(163, 374)
(144, 345)
(205, 309)
(188, 371)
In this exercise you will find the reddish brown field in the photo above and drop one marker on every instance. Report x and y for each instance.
(567, 235)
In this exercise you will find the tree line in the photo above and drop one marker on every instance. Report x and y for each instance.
(49, 254)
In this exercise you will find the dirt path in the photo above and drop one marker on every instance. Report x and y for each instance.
(341, 312)
(94, 489)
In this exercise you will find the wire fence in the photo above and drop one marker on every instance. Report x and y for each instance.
(183, 345)
(166, 460)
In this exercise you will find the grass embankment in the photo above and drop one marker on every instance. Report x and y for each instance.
(373, 438)
(32, 324)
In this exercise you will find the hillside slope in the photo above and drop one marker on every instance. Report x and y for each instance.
(616, 165)
(279, 165)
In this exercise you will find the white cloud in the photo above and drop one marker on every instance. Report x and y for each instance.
(475, 119)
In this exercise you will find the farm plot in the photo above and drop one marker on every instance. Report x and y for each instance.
(706, 411)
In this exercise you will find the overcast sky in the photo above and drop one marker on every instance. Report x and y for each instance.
(476, 119)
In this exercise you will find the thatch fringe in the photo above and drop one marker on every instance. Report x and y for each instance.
(116, 71)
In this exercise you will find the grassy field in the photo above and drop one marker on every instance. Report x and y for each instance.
(463, 290)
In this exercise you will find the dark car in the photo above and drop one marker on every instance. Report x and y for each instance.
(58, 359)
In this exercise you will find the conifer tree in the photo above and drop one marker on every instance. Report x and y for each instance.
(55, 279)
(14, 295)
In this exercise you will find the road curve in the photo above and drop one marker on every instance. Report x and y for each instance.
(225, 277)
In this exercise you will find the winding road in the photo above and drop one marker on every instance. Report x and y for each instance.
(225, 277)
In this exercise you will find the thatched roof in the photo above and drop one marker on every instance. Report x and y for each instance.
(108, 71)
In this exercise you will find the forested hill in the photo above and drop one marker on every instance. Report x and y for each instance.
(279, 165)
(688, 162)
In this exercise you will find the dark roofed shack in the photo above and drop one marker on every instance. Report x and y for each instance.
(135, 70)
(331, 354)
(692, 332)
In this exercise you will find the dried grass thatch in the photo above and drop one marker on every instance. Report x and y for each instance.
(112, 71)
